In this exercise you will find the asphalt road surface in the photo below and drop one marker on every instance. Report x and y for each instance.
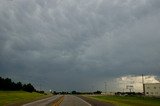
(70, 100)
(42, 102)
(94, 102)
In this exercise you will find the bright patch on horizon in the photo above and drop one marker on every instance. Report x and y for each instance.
(135, 81)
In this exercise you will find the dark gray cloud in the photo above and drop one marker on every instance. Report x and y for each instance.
(71, 44)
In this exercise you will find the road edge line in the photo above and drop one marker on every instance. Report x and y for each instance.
(83, 101)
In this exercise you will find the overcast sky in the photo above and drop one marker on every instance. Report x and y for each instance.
(78, 44)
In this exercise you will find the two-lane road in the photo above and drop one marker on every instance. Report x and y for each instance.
(70, 100)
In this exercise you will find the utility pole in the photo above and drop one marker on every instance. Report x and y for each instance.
(142, 79)
(143, 84)
(105, 85)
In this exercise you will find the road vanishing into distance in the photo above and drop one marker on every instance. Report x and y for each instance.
(68, 100)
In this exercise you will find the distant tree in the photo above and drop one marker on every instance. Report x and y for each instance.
(19, 86)
(54, 92)
(2, 83)
(74, 92)
(7, 84)
(42, 92)
(28, 88)
(98, 92)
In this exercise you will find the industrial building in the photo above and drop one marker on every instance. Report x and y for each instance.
(152, 89)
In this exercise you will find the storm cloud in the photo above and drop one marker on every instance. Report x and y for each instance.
(75, 44)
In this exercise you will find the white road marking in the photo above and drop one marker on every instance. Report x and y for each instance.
(42, 102)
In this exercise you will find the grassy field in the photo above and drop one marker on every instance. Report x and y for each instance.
(129, 100)
(16, 98)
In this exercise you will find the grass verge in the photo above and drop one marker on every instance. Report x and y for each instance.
(17, 98)
(129, 100)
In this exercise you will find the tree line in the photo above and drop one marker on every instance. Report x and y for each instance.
(76, 93)
(6, 84)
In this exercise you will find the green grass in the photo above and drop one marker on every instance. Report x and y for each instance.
(129, 100)
(16, 98)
